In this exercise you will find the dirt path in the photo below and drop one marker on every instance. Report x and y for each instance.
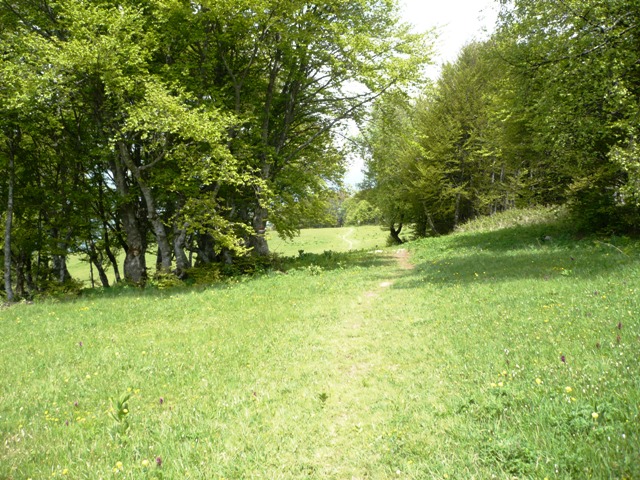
(402, 257)
(361, 378)
(346, 239)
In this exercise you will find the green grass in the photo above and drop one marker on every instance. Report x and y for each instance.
(346, 366)
(318, 240)
(80, 270)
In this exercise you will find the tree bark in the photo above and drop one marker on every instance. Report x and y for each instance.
(60, 257)
(179, 240)
(101, 209)
(110, 255)
(26, 260)
(432, 225)
(8, 225)
(94, 258)
(395, 233)
(135, 268)
(205, 249)
(164, 250)
(258, 241)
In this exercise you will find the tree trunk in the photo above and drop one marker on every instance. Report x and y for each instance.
(105, 233)
(164, 250)
(135, 268)
(60, 257)
(8, 225)
(179, 240)
(204, 249)
(94, 259)
(20, 278)
(110, 255)
(104, 279)
(259, 241)
(395, 233)
(26, 260)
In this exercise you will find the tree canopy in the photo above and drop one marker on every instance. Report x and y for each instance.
(188, 128)
(179, 126)
(544, 112)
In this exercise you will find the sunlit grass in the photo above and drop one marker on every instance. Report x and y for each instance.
(318, 240)
(502, 354)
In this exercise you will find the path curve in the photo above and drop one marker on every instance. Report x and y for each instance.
(346, 240)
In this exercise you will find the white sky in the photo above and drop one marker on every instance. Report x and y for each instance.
(457, 22)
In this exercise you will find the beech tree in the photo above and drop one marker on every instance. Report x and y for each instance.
(545, 112)
(390, 148)
(292, 72)
(182, 125)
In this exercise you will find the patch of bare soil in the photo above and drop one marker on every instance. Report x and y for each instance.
(402, 256)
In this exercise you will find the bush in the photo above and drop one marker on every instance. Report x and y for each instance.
(54, 289)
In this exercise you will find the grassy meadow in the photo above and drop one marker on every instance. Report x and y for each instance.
(319, 240)
(504, 351)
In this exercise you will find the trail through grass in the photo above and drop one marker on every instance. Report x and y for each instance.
(480, 355)
(318, 240)
(346, 238)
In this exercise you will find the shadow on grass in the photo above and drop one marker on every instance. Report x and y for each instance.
(551, 235)
(540, 252)
(330, 260)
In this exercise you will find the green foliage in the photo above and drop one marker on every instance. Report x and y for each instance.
(204, 275)
(389, 148)
(162, 281)
(54, 289)
(362, 213)
(543, 216)
(183, 126)
(574, 64)
(543, 113)
(440, 160)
